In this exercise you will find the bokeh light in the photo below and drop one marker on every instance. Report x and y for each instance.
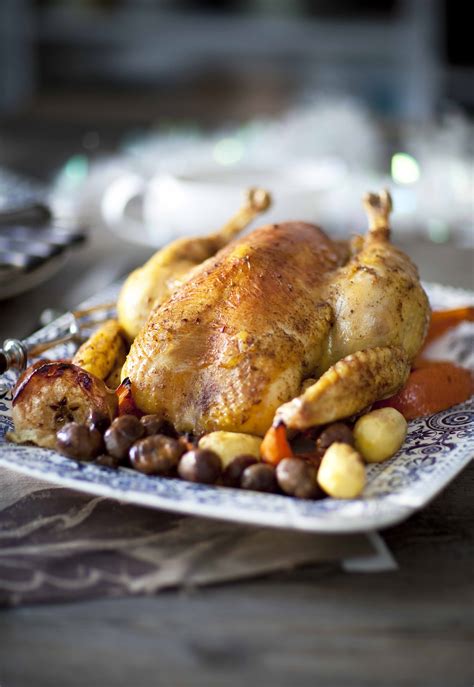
(405, 169)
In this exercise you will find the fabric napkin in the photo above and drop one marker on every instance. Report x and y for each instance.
(61, 545)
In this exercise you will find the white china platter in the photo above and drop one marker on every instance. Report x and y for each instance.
(435, 451)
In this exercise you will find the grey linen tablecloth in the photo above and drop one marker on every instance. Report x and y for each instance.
(60, 545)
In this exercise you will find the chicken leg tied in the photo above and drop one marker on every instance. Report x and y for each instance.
(348, 387)
(382, 316)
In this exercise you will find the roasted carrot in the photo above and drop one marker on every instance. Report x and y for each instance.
(275, 446)
(126, 402)
(433, 386)
(442, 320)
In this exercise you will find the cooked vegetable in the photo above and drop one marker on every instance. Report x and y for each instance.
(50, 394)
(378, 435)
(103, 352)
(228, 445)
(108, 461)
(442, 320)
(122, 434)
(233, 473)
(275, 445)
(200, 465)
(98, 421)
(259, 477)
(152, 424)
(342, 472)
(79, 441)
(156, 455)
(114, 378)
(313, 458)
(431, 388)
(338, 431)
(126, 402)
(297, 478)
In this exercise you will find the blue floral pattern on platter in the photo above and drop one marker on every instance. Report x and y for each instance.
(435, 450)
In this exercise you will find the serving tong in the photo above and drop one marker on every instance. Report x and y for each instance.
(17, 353)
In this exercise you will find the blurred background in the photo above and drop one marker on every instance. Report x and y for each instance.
(130, 111)
(112, 64)
(138, 60)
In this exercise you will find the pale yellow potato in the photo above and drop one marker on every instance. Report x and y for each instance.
(342, 472)
(379, 434)
(229, 445)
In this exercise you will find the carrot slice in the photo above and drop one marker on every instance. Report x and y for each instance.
(126, 402)
(275, 446)
(442, 320)
(433, 386)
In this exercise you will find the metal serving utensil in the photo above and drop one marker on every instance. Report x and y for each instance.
(16, 353)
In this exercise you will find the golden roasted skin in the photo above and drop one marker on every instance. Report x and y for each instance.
(378, 301)
(381, 319)
(347, 387)
(269, 311)
(236, 340)
(169, 267)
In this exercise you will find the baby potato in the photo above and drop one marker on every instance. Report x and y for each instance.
(342, 472)
(379, 434)
(228, 445)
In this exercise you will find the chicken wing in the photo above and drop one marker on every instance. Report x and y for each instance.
(152, 283)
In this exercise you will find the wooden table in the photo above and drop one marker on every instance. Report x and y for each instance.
(316, 626)
(313, 626)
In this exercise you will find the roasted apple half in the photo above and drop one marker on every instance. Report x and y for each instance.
(50, 394)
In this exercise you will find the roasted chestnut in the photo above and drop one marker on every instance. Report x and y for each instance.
(79, 441)
(259, 477)
(98, 421)
(122, 433)
(156, 455)
(297, 478)
(337, 432)
(152, 424)
(200, 465)
(108, 461)
(232, 475)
